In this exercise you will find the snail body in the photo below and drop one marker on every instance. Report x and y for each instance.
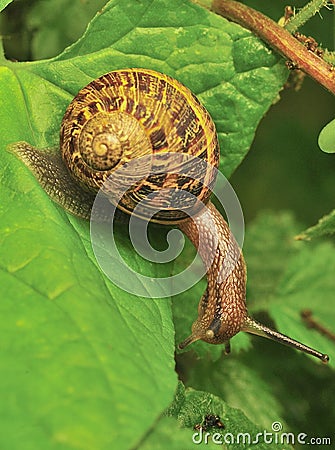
(132, 113)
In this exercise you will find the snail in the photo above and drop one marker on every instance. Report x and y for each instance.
(129, 113)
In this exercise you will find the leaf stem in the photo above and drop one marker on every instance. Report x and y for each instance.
(308, 11)
(307, 317)
(279, 39)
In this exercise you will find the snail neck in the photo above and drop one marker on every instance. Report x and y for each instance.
(222, 309)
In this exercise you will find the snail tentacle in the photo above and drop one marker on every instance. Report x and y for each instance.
(252, 326)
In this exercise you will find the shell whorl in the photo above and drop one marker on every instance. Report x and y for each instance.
(130, 113)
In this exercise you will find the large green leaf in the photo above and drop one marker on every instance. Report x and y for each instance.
(236, 430)
(300, 276)
(162, 437)
(84, 364)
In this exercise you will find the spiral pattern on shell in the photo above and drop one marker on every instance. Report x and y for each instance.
(130, 113)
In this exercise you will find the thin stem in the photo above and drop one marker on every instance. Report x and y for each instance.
(279, 39)
(305, 14)
(307, 317)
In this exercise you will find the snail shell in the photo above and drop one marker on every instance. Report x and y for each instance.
(130, 113)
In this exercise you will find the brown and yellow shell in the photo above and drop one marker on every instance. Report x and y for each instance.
(130, 113)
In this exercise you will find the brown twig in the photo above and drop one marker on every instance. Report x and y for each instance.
(279, 39)
(307, 317)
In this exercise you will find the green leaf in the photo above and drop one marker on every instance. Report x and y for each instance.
(326, 139)
(241, 386)
(325, 226)
(121, 36)
(269, 235)
(269, 384)
(191, 406)
(80, 357)
(308, 283)
(162, 437)
(4, 3)
(82, 362)
(300, 276)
